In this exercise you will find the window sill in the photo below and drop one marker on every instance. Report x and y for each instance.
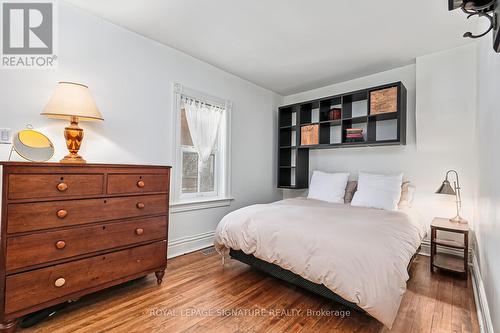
(185, 206)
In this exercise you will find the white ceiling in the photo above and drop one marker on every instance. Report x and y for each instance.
(292, 45)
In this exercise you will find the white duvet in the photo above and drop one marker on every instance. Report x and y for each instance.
(361, 254)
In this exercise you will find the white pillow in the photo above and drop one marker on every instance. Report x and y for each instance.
(378, 191)
(328, 186)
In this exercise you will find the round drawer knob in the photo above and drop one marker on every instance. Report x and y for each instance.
(140, 205)
(61, 244)
(61, 187)
(60, 282)
(141, 183)
(62, 213)
(139, 231)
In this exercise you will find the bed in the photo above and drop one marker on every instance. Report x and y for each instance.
(354, 255)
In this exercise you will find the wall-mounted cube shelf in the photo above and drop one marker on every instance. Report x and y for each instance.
(333, 116)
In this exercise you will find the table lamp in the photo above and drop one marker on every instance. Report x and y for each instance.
(446, 188)
(72, 101)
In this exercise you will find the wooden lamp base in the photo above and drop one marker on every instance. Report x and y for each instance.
(74, 137)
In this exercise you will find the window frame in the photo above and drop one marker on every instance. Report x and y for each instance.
(217, 180)
(221, 196)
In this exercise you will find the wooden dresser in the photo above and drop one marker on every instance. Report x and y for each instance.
(70, 230)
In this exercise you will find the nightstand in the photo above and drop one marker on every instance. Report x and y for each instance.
(446, 261)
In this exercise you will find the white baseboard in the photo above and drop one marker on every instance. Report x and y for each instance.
(180, 246)
(482, 308)
(425, 249)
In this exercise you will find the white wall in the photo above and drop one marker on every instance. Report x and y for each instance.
(424, 167)
(446, 100)
(131, 79)
(487, 228)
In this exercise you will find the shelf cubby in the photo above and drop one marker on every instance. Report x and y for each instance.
(305, 113)
(288, 157)
(326, 105)
(330, 133)
(357, 122)
(286, 116)
(355, 104)
(382, 129)
(287, 137)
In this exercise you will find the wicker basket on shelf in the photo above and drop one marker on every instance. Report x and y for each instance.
(309, 135)
(384, 101)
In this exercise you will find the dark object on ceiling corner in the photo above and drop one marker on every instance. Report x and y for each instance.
(496, 31)
(489, 9)
(470, 4)
(454, 4)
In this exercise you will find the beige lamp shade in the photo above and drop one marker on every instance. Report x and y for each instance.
(72, 100)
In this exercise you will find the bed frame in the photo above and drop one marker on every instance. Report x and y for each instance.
(296, 280)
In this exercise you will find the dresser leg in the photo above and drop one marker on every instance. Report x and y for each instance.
(9, 326)
(159, 276)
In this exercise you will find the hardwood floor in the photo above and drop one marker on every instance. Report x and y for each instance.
(196, 283)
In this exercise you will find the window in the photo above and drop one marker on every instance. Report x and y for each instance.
(197, 180)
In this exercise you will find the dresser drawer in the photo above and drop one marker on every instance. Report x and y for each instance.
(137, 183)
(46, 215)
(42, 186)
(43, 285)
(28, 250)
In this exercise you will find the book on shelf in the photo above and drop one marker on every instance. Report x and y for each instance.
(350, 140)
(354, 130)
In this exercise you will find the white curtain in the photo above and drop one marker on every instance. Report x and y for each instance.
(203, 122)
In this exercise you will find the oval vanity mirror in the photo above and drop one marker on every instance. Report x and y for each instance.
(33, 146)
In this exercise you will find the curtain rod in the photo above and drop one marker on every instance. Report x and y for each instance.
(200, 101)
